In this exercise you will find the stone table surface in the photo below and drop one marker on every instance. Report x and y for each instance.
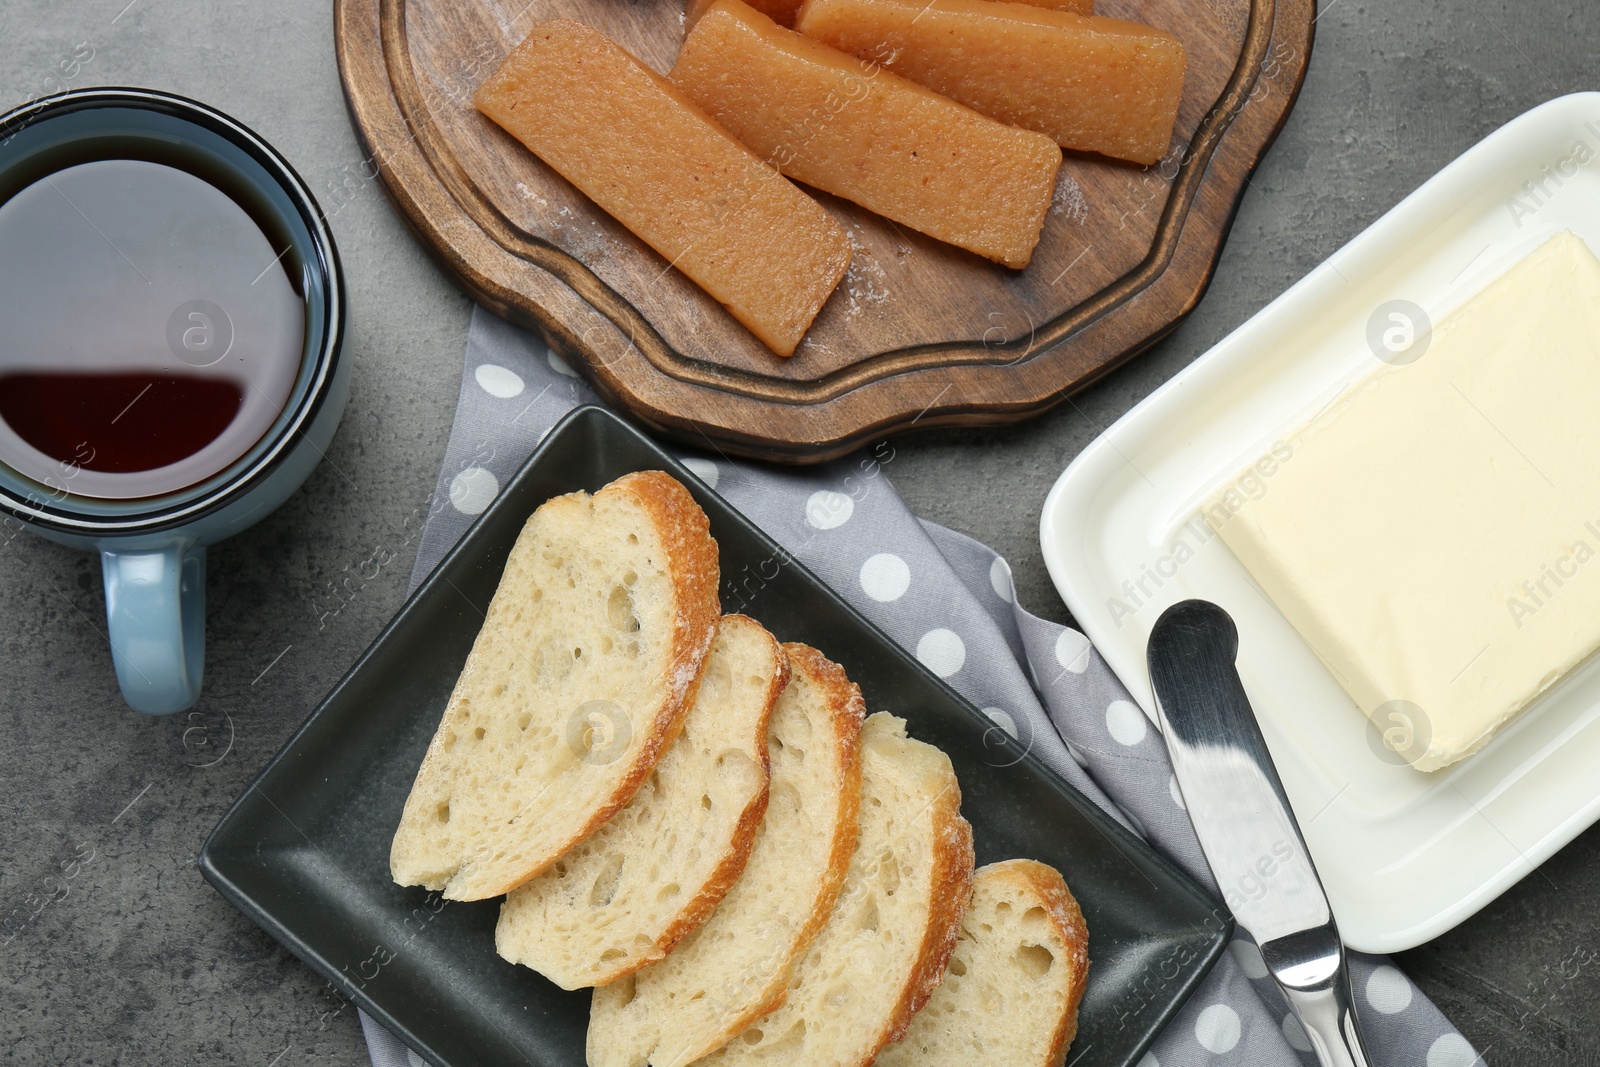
(140, 962)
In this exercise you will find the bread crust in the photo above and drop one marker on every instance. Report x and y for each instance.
(848, 711)
(1062, 908)
(953, 861)
(727, 872)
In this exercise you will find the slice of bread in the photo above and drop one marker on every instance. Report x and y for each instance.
(894, 927)
(578, 682)
(1011, 992)
(623, 898)
(736, 967)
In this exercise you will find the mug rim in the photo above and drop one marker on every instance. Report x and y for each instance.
(326, 274)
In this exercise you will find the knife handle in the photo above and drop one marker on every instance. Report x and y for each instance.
(1330, 1024)
(1317, 985)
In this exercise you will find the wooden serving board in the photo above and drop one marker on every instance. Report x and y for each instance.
(919, 333)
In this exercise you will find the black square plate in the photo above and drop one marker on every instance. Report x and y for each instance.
(305, 851)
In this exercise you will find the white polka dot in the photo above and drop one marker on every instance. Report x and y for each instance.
(1126, 722)
(1177, 794)
(1451, 1050)
(413, 1060)
(1002, 719)
(826, 509)
(561, 366)
(1217, 1029)
(1248, 957)
(1072, 651)
(1148, 1060)
(1295, 1034)
(473, 490)
(1388, 991)
(942, 652)
(497, 380)
(1133, 820)
(703, 469)
(1000, 579)
(1077, 755)
(885, 577)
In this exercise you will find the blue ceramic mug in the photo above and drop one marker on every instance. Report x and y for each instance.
(153, 547)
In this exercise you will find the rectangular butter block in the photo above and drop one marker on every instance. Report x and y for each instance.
(1435, 534)
(1094, 84)
(828, 119)
(635, 145)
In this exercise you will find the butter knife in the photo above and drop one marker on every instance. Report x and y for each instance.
(1246, 829)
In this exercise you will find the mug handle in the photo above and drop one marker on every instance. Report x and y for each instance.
(155, 615)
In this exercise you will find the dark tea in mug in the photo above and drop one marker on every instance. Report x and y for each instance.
(151, 329)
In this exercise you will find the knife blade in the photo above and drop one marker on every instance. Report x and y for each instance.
(1246, 828)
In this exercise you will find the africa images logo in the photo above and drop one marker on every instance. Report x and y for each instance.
(1200, 530)
(1538, 191)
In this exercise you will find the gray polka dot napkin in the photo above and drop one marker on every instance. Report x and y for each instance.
(950, 600)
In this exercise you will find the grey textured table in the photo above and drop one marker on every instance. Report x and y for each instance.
(141, 963)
